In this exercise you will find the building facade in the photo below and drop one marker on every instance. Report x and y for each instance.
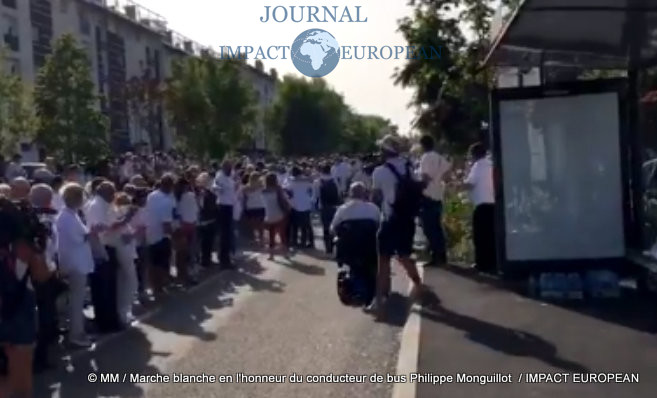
(130, 50)
(264, 86)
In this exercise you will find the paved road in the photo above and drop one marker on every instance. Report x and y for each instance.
(270, 318)
(480, 329)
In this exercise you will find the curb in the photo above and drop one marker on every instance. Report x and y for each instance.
(409, 350)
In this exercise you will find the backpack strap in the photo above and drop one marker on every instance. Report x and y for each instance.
(393, 170)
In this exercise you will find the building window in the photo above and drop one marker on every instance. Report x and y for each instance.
(85, 26)
(13, 66)
(63, 5)
(9, 3)
(10, 33)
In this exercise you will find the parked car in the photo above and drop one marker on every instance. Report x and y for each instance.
(31, 167)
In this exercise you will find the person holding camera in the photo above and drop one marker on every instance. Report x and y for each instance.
(22, 263)
(41, 197)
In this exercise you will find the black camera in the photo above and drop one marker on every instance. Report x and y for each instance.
(19, 221)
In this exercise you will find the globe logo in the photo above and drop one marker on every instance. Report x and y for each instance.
(315, 53)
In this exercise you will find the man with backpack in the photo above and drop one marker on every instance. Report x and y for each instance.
(327, 194)
(399, 196)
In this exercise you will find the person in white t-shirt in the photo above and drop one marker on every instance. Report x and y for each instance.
(301, 191)
(226, 190)
(479, 183)
(396, 233)
(187, 211)
(57, 201)
(342, 173)
(433, 167)
(124, 242)
(254, 205)
(75, 258)
(159, 211)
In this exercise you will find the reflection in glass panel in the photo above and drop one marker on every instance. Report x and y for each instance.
(561, 171)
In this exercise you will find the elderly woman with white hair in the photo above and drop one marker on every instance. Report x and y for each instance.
(5, 190)
(20, 188)
(75, 259)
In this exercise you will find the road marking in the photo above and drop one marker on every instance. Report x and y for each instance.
(409, 350)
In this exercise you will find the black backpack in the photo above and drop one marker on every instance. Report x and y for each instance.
(328, 193)
(408, 194)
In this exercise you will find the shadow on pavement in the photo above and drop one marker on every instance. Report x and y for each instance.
(72, 379)
(631, 310)
(499, 338)
(131, 352)
(308, 269)
(186, 313)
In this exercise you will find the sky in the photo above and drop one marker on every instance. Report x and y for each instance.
(366, 85)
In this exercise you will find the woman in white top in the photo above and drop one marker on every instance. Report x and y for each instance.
(186, 221)
(75, 258)
(277, 208)
(254, 205)
(124, 241)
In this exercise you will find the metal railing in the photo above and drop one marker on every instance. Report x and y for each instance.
(154, 21)
(136, 12)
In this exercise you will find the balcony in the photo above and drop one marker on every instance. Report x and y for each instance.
(135, 12)
(11, 40)
(182, 43)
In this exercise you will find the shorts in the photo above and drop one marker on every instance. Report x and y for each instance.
(395, 238)
(160, 254)
(22, 328)
(255, 214)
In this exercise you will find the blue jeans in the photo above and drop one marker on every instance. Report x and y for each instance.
(431, 214)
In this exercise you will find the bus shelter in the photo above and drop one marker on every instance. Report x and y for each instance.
(573, 187)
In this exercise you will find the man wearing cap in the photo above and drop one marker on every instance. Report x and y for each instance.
(396, 233)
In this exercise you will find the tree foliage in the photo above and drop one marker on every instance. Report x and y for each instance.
(70, 124)
(17, 117)
(144, 97)
(451, 93)
(310, 118)
(210, 105)
(361, 132)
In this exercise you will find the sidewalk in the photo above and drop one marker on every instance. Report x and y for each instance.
(482, 329)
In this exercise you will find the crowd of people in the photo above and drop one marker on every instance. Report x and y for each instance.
(117, 230)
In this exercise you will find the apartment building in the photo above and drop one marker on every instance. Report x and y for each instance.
(264, 85)
(128, 46)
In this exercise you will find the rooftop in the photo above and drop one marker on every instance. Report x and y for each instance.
(144, 17)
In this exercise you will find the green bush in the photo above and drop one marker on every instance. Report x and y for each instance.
(457, 222)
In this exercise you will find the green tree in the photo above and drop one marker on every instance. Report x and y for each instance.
(17, 118)
(308, 117)
(210, 105)
(362, 131)
(70, 124)
(451, 93)
(144, 98)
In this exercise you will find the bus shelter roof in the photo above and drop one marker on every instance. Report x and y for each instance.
(593, 34)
